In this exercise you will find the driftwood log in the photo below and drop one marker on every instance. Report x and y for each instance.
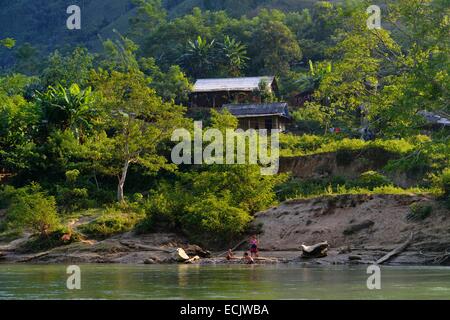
(192, 260)
(396, 251)
(318, 250)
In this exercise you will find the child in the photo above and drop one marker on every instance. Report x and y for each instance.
(254, 246)
(230, 255)
(248, 259)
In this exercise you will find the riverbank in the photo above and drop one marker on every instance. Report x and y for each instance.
(360, 229)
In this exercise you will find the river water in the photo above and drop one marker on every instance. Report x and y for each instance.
(222, 282)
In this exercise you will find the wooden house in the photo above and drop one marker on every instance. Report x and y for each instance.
(261, 115)
(214, 93)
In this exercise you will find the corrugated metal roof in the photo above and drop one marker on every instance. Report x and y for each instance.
(231, 84)
(263, 109)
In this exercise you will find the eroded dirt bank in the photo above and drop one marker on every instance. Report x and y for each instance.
(358, 228)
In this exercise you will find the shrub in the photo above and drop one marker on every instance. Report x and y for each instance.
(102, 196)
(310, 144)
(293, 145)
(162, 208)
(445, 178)
(442, 182)
(372, 179)
(419, 212)
(214, 219)
(7, 193)
(73, 199)
(31, 208)
(114, 220)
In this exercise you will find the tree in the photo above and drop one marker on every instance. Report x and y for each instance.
(172, 85)
(200, 57)
(264, 92)
(149, 16)
(120, 54)
(354, 78)
(234, 56)
(137, 121)
(70, 108)
(27, 60)
(68, 69)
(19, 123)
(420, 79)
(274, 46)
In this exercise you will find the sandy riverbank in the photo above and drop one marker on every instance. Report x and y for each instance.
(360, 229)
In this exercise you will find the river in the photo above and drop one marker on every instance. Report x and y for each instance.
(222, 282)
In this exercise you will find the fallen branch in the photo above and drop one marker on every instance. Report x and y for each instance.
(396, 251)
(39, 255)
(234, 248)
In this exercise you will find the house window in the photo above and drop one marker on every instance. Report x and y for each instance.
(269, 124)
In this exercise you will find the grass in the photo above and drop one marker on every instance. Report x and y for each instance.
(383, 190)
(88, 213)
(112, 221)
(306, 145)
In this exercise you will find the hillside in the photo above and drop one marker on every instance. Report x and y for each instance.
(42, 23)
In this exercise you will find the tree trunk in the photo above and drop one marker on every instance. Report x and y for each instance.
(96, 181)
(120, 196)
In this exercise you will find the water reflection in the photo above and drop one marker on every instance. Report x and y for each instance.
(221, 282)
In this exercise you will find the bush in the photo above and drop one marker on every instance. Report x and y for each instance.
(442, 182)
(31, 208)
(293, 145)
(7, 193)
(73, 199)
(49, 241)
(162, 208)
(214, 219)
(445, 178)
(419, 212)
(114, 220)
(372, 179)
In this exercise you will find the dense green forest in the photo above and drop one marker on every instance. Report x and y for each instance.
(86, 130)
(42, 22)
